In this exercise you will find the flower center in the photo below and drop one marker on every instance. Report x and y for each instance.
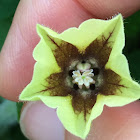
(83, 78)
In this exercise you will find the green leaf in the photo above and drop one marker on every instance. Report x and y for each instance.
(19, 107)
(4, 28)
(7, 8)
(13, 133)
(132, 30)
(132, 47)
(133, 59)
(1, 99)
(8, 115)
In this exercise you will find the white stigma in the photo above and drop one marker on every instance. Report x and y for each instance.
(83, 78)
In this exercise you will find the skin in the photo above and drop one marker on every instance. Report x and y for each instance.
(16, 67)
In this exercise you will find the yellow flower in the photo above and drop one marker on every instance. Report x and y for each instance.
(81, 70)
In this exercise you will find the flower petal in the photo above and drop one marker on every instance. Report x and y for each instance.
(119, 64)
(96, 111)
(74, 123)
(103, 45)
(44, 67)
(127, 93)
(89, 31)
(63, 51)
(117, 61)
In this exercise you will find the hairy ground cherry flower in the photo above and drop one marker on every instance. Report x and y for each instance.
(81, 70)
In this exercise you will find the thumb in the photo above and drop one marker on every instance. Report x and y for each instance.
(117, 123)
(38, 122)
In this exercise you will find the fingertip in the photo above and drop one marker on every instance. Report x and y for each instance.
(116, 123)
(108, 8)
(39, 122)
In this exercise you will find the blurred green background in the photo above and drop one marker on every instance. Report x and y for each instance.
(9, 127)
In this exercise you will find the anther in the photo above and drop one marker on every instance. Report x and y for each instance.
(96, 71)
(71, 73)
(92, 86)
(75, 86)
(83, 61)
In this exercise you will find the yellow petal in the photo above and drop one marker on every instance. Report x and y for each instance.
(127, 93)
(117, 61)
(44, 67)
(72, 122)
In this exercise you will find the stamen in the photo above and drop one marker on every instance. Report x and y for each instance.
(83, 66)
(75, 86)
(83, 78)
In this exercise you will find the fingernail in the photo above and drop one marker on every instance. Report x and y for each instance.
(39, 122)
